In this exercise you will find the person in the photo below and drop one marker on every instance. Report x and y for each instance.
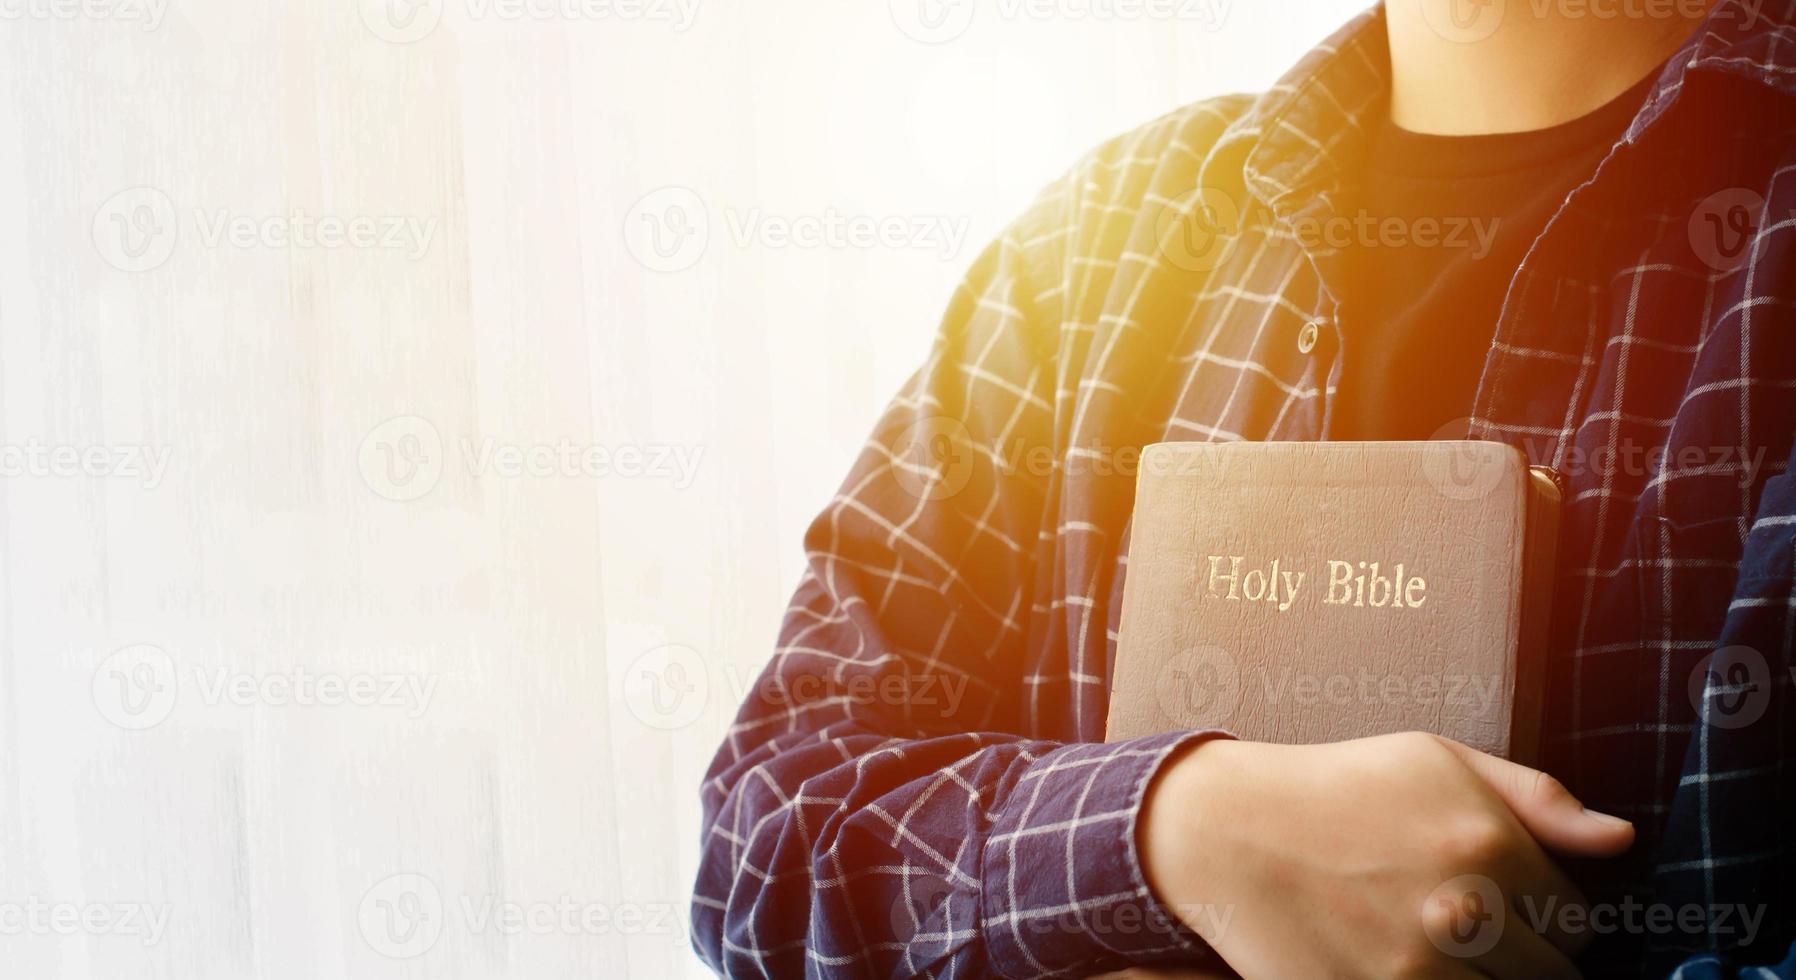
(1569, 227)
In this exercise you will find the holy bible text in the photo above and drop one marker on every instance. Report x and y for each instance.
(1389, 578)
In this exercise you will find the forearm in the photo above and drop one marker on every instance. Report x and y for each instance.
(849, 851)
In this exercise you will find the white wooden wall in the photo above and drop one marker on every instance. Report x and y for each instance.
(297, 678)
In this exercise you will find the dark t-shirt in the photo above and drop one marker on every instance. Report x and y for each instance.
(1447, 220)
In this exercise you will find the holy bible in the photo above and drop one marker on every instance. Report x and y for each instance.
(1316, 592)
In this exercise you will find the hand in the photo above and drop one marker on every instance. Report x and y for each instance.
(1335, 860)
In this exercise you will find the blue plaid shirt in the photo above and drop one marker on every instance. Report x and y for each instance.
(917, 785)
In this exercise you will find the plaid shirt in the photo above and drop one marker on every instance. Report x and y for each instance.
(917, 785)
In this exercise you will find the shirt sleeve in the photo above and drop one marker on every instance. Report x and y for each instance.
(1725, 859)
(873, 811)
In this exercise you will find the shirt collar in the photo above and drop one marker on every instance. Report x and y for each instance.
(1750, 39)
(1303, 130)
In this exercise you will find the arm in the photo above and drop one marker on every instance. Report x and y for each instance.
(1726, 842)
(873, 810)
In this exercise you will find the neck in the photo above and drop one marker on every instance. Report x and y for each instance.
(1467, 67)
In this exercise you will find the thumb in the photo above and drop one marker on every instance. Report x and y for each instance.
(1547, 809)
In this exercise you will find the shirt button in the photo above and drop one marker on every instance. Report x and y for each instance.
(1308, 336)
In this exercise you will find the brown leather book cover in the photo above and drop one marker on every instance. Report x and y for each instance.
(1316, 592)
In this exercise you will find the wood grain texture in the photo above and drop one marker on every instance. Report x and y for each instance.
(152, 627)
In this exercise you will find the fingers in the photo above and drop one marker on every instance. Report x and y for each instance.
(1546, 808)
